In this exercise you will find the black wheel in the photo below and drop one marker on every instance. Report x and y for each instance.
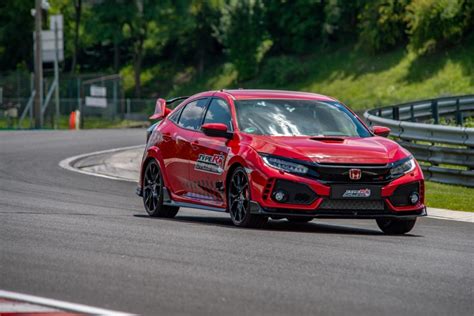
(299, 219)
(396, 226)
(238, 198)
(153, 193)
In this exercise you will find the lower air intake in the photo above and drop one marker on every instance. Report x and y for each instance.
(328, 204)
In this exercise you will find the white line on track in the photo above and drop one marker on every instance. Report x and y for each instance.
(78, 308)
(68, 163)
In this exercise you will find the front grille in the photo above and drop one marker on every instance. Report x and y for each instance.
(334, 173)
(352, 205)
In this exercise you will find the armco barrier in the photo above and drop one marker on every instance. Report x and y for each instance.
(446, 153)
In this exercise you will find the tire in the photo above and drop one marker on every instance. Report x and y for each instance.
(238, 201)
(299, 219)
(153, 193)
(396, 226)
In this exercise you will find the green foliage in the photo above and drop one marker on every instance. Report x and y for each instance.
(434, 23)
(242, 32)
(382, 24)
(294, 26)
(16, 33)
(278, 71)
(340, 19)
(161, 45)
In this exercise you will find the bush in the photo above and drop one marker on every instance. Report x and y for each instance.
(435, 23)
(382, 24)
(280, 71)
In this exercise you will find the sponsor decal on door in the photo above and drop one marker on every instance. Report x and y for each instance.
(211, 164)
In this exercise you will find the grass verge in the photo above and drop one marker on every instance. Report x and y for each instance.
(450, 197)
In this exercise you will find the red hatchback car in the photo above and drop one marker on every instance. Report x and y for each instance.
(260, 154)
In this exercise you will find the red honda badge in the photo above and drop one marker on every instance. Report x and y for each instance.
(355, 174)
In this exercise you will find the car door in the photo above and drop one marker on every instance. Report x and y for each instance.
(209, 156)
(176, 147)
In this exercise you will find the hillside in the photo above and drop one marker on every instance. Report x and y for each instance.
(359, 79)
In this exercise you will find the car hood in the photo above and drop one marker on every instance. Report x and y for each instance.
(347, 150)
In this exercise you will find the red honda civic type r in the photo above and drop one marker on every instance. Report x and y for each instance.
(280, 154)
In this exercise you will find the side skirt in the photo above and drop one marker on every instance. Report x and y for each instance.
(168, 201)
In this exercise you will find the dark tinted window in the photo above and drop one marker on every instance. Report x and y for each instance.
(191, 116)
(175, 115)
(219, 112)
(297, 117)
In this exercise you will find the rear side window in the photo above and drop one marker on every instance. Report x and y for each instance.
(175, 115)
(219, 112)
(191, 116)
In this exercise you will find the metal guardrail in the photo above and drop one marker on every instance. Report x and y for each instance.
(446, 152)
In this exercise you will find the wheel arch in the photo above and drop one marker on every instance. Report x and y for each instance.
(153, 153)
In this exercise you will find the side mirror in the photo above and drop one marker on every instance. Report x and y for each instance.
(160, 110)
(216, 130)
(381, 131)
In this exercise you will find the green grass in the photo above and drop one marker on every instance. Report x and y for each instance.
(449, 197)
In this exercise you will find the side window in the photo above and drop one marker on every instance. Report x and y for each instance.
(219, 112)
(175, 115)
(191, 115)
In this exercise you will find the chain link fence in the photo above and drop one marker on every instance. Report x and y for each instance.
(16, 101)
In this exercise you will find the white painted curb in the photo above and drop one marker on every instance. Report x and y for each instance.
(79, 308)
(68, 163)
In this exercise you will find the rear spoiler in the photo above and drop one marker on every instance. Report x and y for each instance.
(161, 110)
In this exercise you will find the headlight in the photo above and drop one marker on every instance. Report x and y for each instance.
(404, 167)
(284, 165)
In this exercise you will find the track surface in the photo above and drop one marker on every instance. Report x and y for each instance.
(86, 240)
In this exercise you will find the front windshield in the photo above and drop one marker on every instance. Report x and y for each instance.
(298, 118)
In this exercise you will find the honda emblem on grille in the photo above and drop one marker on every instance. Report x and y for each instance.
(355, 174)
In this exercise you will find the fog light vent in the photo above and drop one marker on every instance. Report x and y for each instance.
(292, 193)
(414, 198)
(280, 196)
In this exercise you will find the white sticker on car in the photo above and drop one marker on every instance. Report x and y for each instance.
(211, 164)
(360, 193)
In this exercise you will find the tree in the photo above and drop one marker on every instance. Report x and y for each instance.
(242, 32)
(294, 26)
(16, 39)
(382, 24)
(436, 23)
(205, 17)
(77, 19)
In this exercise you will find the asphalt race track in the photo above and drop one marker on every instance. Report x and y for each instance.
(85, 239)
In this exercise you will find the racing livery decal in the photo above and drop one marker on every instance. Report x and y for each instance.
(361, 193)
(211, 164)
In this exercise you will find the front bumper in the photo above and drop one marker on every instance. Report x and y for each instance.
(312, 198)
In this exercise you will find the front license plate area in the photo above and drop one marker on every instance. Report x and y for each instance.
(356, 192)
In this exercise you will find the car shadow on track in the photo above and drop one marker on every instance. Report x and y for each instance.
(279, 225)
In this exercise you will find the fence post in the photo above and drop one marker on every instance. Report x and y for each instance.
(434, 111)
(128, 108)
(412, 113)
(459, 118)
(395, 113)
